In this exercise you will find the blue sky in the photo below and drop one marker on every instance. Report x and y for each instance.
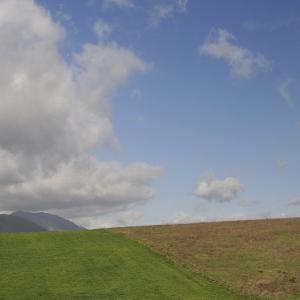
(216, 108)
(191, 116)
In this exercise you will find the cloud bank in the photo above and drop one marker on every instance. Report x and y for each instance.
(242, 63)
(53, 114)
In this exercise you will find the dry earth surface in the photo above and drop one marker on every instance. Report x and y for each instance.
(259, 257)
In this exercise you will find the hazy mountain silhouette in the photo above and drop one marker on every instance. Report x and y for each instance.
(48, 221)
(9, 223)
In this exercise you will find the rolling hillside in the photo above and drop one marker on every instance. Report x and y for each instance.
(93, 265)
(259, 257)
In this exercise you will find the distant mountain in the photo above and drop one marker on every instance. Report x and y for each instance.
(9, 223)
(48, 221)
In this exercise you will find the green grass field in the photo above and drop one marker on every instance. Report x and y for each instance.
(93, 265)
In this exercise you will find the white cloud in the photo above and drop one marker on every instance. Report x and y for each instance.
(82, 182)
(212, 189)
(53, 114)
(284, 91)
(119, 3)
(166, 10)
(101, 68)
(102, 29)
(281, 164)
(242, 62)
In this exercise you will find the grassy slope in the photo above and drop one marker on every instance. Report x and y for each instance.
(259, 258)
(92, 265)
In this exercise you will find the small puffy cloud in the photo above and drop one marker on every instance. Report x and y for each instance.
(221, 44)
(166, 10)
(102, 29)
(119, 3)
(212, 189)
(281, 164)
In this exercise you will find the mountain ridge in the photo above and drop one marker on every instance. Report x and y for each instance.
(48, 221)
(9, 223)
(24, 221)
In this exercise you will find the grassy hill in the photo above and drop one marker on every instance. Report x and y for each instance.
(259, 257)
(93, 265)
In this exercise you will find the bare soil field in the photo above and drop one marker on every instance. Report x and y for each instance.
(259, 257)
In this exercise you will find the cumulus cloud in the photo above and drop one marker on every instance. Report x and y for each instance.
(166, 10)
(53, 114)
(221, 44)
(213, 189)
(82, 182)
(102, 68)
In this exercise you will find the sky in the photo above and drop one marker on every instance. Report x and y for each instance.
(126, 112)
